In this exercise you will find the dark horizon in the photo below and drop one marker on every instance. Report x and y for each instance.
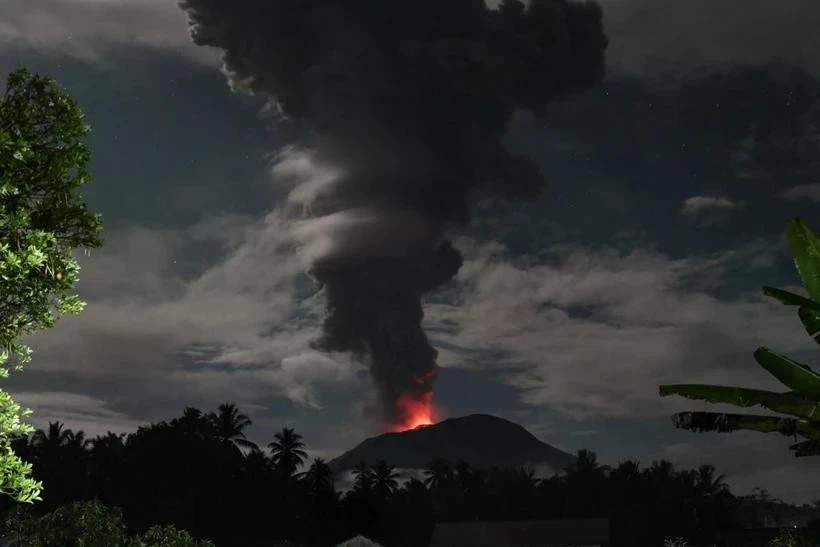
(181, 471)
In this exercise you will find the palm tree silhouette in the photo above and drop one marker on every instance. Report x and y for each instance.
(286, 452)
(257, 462)
(77, 441)
(363, 481)
(190, 414)
(438, 473)
(662, 472)
(463, 476)
(60, 462)
(106, 455)
(229, 424)
(194, 423)
(384, 480)
(52, 440)
(110, 442)
(169, 471)
(586, 464)
(626, 470)
(707, 484)
(319, 477)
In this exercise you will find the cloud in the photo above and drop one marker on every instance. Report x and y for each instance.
(236, 330)
(642, 32)
(807, 192)
(703, 33)
(89, 414)
(584, 433)
(716, 34)
(587, 332)
(86, 28)
(592, 333)
(220, 310)
(698, 205)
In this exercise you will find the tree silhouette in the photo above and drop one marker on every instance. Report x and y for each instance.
(438, 473)
(463, 475)
(661, 472)
(194, 423)
(257, 464)
(51, 440)
(108, 443)
(286, 452)
(319, 477)
(105, 457)
(586, 464)
(384, 480)
(708, 483)
(177, 473)
(363, 478)
(60, 460)
(77, 442)
(626, 472)
(229, 425)
(318, 482)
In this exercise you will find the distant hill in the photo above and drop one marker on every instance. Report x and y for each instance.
(479, 439)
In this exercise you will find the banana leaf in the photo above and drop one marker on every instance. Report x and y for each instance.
(806, 251)
(811, 321)
(810, 447)
(789, 298)
(784, 403)
(724, 423)
(799, 377)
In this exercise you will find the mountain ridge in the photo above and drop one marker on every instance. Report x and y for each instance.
(482, 440)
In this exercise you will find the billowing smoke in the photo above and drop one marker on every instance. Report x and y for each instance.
(408, 102)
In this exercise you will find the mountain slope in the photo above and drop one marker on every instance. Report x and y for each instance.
(479, 439)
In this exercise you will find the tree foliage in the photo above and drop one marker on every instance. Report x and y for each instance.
(183, 472)
(802, 401)
(87, 524)
(43, 219)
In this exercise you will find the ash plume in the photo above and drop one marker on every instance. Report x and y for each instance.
(408, 101)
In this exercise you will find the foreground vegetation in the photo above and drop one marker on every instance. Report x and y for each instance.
(801, 401)
(191, 473)
(86, 523)
(43, 219)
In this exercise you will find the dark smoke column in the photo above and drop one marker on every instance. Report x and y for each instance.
(409, 101)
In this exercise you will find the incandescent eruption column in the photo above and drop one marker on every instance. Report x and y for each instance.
(408, 102)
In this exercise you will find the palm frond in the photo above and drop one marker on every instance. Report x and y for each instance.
(784, 403)
(725, 422)
(797, 376)
(789, 298)
(809, 447)
(806, 251)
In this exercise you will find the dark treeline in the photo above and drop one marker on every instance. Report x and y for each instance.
(190, 472)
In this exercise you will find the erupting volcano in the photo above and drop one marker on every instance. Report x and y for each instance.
(407, 102)
(414, 413)
(481, 440)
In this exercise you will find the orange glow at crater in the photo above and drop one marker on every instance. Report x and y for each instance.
(417, 411)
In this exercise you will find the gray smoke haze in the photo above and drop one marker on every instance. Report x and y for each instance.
(408, 102)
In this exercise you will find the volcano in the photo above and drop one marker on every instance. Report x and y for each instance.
(481, 440)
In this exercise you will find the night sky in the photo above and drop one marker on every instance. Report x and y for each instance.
(669, 187)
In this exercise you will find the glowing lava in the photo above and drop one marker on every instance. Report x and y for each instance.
(417, 412)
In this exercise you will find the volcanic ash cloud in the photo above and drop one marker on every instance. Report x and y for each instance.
(408, 102)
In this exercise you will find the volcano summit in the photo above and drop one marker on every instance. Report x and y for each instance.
(481, 440)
